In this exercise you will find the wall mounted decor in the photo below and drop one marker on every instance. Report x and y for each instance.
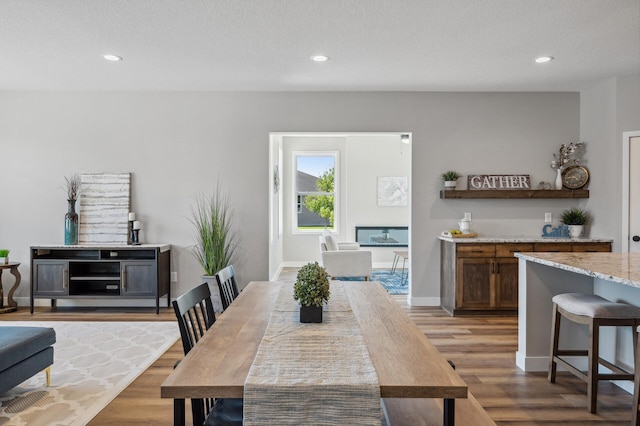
(392, 191)
(104, 208)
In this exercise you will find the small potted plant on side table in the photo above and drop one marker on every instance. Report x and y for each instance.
(450, 179)
(4, 256)
(576, 219)
(311, 290)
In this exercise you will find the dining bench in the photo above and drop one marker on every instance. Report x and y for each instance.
(427, 412)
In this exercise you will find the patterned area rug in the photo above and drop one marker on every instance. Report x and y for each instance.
(394, 283)
(93, 363)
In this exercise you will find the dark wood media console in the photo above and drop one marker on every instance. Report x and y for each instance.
(100, 272)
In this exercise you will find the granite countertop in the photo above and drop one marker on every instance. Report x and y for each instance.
(524, 239)
(162, 247)
(622, 268)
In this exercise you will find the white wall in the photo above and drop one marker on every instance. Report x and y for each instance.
(606, 111)
(176, 144)
(370, 157)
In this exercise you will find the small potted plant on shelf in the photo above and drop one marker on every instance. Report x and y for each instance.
(450, 179)
(311, 289)
(575, 218)
(4, 256)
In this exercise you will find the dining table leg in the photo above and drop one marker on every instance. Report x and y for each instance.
(449, 412)
(178, 412)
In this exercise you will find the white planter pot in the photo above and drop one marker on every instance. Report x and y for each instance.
(215, 292)
(4, 260)
(450, 184)
(575, 231)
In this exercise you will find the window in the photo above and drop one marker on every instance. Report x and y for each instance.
(315, 191)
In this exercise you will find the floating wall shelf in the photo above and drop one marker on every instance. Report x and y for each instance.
(507, 194)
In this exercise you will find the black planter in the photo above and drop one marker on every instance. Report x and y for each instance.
(310, 313)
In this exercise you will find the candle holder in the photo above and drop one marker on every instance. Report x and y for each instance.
(131, 238)
(135, 238)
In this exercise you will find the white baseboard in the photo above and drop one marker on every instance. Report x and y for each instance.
(423, 301)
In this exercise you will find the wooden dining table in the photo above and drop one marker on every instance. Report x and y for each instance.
(406, 363)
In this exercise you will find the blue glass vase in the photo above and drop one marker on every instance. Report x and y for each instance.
(71, 224)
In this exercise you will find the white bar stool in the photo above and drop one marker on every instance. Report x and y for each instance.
(595, 312)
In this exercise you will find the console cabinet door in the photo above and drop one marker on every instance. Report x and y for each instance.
(50, 277)
(139, 278)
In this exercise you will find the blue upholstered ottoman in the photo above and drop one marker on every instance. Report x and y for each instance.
(24, 352)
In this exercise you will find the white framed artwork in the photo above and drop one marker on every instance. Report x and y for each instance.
(392, 191)
(104, 208)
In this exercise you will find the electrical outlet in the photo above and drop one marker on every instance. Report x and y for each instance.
(467, 216)
(547, 218)
(174, 277)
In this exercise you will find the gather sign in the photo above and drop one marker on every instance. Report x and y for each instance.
(504, 182)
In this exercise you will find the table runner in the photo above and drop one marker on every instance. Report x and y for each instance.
(318, 374)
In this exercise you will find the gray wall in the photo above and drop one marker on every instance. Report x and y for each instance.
(608, 110)
(177, 144)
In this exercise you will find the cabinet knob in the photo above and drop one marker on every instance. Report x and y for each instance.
(636, 238)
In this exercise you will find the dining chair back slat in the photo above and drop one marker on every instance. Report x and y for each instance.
(194, 311)
(227, 286)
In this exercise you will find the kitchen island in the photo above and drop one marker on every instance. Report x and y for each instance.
(614, 276)
(480, 275)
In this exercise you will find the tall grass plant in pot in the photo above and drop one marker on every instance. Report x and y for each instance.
(216, 242)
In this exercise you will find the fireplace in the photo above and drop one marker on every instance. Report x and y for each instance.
(382, 236)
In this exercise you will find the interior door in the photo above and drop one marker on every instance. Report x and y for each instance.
(634, 194)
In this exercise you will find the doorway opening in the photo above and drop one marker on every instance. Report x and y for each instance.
(365, 167)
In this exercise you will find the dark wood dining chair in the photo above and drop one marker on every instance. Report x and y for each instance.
(226, 278)
(194, 311)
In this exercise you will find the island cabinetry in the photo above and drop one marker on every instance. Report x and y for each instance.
(90, 272)
(482, 278)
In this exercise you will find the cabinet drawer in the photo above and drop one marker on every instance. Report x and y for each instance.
(552, 247)
(476, 250)
(591, 247)
(507, 250)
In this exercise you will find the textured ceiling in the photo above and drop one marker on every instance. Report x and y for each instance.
(416, 45)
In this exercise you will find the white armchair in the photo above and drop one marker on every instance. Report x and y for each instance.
(344, 259)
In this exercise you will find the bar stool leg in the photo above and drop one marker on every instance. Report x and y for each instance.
(592, 387)
(635, 419)
(555, 337)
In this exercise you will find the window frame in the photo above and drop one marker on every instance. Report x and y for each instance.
(295, 193)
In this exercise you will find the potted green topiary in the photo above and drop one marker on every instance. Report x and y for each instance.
(4, 256)
(311, 290)
(450, 179)
(575, 218)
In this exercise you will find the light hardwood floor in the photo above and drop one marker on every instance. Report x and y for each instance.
(482, 348)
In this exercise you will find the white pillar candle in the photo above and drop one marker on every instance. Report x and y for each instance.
(132, 217)
(136, 224)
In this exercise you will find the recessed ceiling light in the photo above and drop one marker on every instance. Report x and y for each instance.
(114, 58)
(543, 59)
(320, 58)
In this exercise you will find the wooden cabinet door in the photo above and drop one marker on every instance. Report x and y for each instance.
(139, 278)
(50, 277)
(474, 284)
(506, 280)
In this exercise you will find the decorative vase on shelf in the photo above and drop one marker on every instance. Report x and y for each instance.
(71, 224)
(559, 179)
